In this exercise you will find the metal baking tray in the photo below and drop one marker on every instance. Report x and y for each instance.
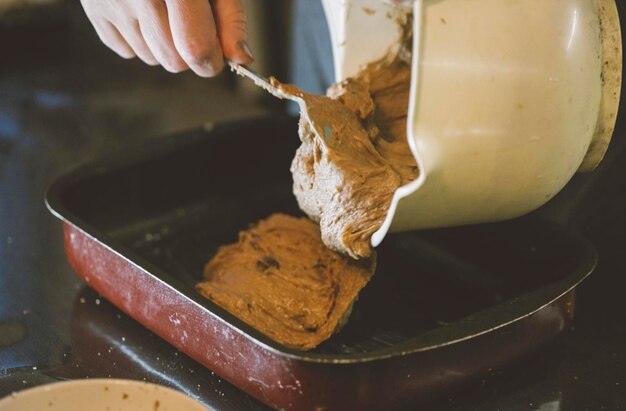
(444, 305)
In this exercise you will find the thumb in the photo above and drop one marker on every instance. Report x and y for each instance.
(232, 30)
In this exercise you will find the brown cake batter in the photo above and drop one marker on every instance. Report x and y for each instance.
(281, 279)
(354, 155)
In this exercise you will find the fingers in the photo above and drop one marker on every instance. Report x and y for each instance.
(131, 31)
(230, 19)
(177, 34)
(195, 35)
(155, 28)
(113, 39)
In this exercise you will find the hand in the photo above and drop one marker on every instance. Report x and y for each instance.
(177, 34)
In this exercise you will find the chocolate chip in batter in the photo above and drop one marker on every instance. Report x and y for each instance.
(319, 266)
(267, 262)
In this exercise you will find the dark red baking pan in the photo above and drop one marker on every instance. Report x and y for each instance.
(444, 305)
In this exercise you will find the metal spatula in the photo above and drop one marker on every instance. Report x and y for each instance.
(264, 82)
(323, 130)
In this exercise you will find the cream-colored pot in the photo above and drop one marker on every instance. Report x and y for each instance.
(509, 98)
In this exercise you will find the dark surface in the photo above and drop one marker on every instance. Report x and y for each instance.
(55, 115)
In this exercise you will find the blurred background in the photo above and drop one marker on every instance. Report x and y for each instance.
(65, 99)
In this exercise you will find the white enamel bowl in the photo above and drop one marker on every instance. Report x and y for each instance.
(508, 99)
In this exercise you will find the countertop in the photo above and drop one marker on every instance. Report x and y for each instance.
(69, 106)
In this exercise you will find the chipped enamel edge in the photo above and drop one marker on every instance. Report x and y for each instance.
(612, 83)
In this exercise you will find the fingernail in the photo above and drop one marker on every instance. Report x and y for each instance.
(243, 46)
(211, 67)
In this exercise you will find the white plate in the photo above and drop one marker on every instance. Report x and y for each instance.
(100, 395)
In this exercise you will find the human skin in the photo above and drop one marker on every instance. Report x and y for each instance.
(177, 34)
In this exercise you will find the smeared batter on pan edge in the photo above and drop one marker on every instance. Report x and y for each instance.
(354, 155)
(282, 280)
